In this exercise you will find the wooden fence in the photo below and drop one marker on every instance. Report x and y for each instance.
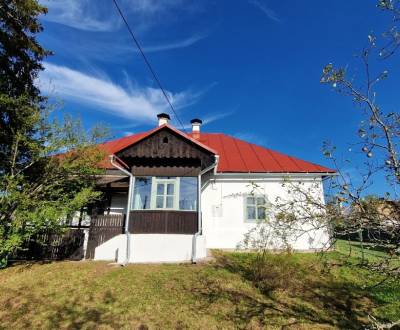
(54, 246)
(103, 228)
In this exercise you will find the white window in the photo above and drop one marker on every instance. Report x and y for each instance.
(165, 192)
(254, 208)
(142, 193)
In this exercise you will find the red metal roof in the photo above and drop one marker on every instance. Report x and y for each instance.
(235, 155)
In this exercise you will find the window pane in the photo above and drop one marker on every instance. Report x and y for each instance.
(170, 189)
(142, 193)
(160, 189)
(251, 200)
(251, 213)
(261, 213)
(260, 201)
(160, 202)
(188, 193)
(170, 202)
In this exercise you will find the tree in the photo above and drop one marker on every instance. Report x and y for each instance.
(350, 213)
(375, 219)
(38, 187)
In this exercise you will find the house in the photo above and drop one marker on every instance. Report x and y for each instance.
(183, 194)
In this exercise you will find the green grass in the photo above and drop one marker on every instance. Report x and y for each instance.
(297, 292)
(353, 249)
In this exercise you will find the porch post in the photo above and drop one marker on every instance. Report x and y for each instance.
(199, 221)
(127, 218)
(128, 206)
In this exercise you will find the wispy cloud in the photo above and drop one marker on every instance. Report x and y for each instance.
(101, 15)
(211, 118)
(99, 92)
(80, 14)
(117, 48)
(269, 12)
(112, 42)
(174, 44)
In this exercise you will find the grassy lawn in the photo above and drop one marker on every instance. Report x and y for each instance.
(298, 292)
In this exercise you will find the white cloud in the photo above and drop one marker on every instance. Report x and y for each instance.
(117, 49)
(99, 92)
(270, 13)
(211, 118)
(174, 44)
(101, 15)
(80, 14)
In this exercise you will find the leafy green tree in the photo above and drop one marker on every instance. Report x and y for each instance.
(39, 186)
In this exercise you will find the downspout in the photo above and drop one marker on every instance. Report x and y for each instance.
(200, 220)
(131, 184)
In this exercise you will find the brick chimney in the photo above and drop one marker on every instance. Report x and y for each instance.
(196, 124)
(163, 118)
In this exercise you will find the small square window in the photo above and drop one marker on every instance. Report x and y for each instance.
(251, 212)
(255, 208)
(260, 212)
(160, 189)
(170, 189)
(160, 202)
(251, 200)
(170, 202)
(260, 200)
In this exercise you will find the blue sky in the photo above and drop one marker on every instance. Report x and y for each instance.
(249, 68)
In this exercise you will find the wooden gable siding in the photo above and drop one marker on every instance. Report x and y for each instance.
(166, 153)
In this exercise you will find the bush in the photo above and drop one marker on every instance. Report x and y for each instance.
(273, 272)
(267, 270)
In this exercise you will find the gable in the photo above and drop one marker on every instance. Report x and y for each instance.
(166, 152)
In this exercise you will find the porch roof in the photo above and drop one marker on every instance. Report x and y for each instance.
(235, 155)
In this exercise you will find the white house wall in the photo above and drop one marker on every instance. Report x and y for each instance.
(151, 248)
(223, 220)
(223, 212)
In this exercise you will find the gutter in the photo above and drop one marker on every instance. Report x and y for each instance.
(276, 174)
(131, 183)
(200, 221)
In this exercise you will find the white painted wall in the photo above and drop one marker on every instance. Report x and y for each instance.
(161, 248)
(147, 248)
(223, 210)
(112, 250)
(224, 224)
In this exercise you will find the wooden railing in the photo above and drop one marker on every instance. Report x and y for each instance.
(163, 222)
(50, 245)
(103, 228)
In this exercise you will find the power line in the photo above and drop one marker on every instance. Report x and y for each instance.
(147, 63)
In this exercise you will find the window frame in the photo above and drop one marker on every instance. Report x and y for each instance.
(255, 205)
(154, 181)
(154, 193)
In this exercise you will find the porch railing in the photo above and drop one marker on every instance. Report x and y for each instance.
(163, 222)
(103, 228)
